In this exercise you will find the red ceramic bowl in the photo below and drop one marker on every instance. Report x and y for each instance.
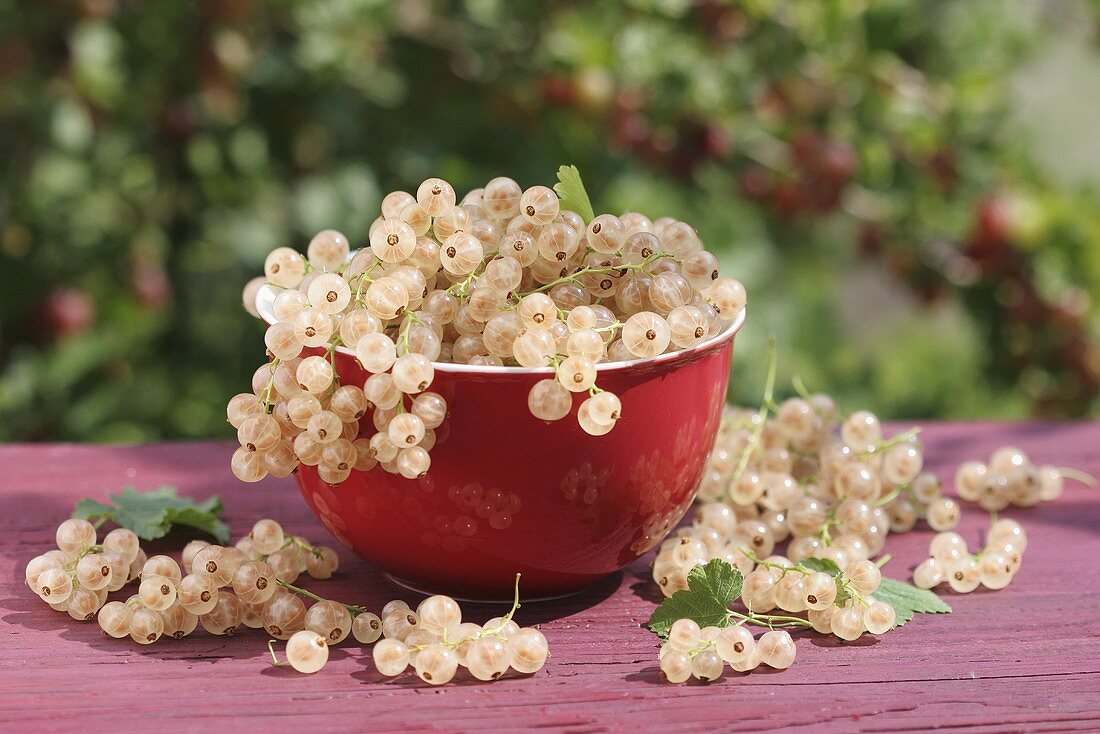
(510, 493)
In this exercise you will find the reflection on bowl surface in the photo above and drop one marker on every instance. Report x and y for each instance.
(510, 493)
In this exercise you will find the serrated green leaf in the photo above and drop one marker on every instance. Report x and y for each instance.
(907, 600)
(711, 590)
(145, 512)
(152, 514)
(570, 190)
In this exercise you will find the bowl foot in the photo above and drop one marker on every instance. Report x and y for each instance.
(419, 589)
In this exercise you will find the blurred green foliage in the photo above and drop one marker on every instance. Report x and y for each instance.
(878, 173)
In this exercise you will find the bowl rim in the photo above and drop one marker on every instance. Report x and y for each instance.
(265, 299)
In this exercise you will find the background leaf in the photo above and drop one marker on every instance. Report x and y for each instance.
(194, 517)
(87, 509)
(152, 514)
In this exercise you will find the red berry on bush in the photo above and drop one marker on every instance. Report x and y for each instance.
(68, 312)
(558, 90)
(756, 183)
(151, 285)
(994, 222)
(837, 162)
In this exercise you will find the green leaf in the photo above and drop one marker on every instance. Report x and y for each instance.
(87, 509)
(570, 189)
(152, 514)
(711, 590)
(821, 564)
(908, 600)
(207, 522)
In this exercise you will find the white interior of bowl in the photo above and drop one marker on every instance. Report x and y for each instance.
(265, 302)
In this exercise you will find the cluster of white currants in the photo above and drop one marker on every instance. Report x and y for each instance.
(78, 575)
(993, 567)
(835, 488)
(435, 641)
(704, 653)
(226, 587)
(251, 584)
(841, 605)
(1009, 479)
(506, 277)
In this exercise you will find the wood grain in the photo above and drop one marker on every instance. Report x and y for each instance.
(1023, 659)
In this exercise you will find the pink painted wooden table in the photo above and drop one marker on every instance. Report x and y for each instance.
(1023, 659)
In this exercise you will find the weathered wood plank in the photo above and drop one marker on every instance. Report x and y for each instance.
(1023, 659)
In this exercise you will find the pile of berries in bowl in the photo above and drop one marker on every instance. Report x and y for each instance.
(501, 385)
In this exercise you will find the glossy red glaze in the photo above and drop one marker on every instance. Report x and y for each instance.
(509, 493)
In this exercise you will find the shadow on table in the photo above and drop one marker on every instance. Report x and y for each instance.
(32, 613)
(830, 641)
(1073, 514)
(653, 676)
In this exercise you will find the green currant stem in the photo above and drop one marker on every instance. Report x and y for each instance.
(800, 387)
(265, 399)
(274, 658)
(295, 540)
(852, 593)
(572, 278)
(403, 337)
(363, 279)
(492, 631)
(99, 523)
(893, 495)
(1082, 477)
(353, 609)
(767, 564)
(703, 647)
(587, 270)
(301, 543)
(883, 560)
(506, 618)
(771, 621)
(891, 443)
(72, 563)
(823, 531)
(459, 289)
(762, 415)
